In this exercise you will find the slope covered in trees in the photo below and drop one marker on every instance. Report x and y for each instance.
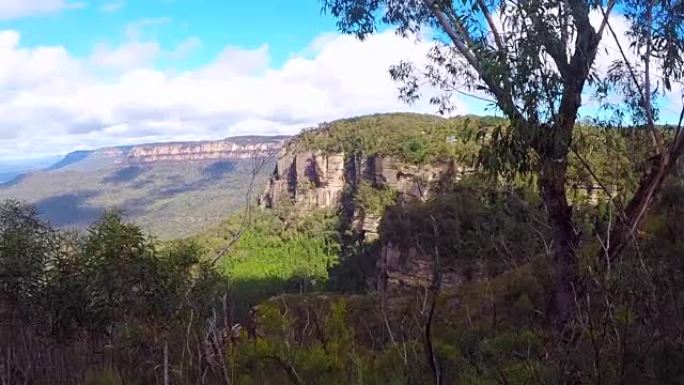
(112, 305)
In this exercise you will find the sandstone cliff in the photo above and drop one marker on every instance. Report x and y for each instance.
(217, 149)
(236, 148)
(317, 180)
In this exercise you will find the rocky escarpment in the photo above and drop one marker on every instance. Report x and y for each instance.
(317, 180)
(408, 267)
(236, 148)
(216, 149)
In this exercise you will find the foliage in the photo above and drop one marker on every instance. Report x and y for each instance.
(170, 200)
(536, 60)
(108, 287)
(27, 244)
(471, 227)
(600, 154)
(415, 138)
(293, 251)
(375, 200)
(115, 289)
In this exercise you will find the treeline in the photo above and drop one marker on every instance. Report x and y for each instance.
(112, 306)
(610, 153)
(102, 306)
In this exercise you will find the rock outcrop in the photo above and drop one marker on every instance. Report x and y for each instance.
(236, 148)
(408, 267)
(308, 179)
(312, 179)
(217, 149)
(315, 180)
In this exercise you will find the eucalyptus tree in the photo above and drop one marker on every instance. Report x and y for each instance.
(536, 60)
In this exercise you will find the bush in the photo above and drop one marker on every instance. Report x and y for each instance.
(375, 200)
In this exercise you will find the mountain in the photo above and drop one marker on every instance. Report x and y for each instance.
(171, 189)
(11, 169)
(359, 168)
(355, 194)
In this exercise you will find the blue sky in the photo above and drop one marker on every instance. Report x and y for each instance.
(286, 26)
(82, 74)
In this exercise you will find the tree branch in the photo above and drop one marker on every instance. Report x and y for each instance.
(492, 25)
(586, 165)
(606, 15)
(459, 38)
(258, 162)
(645, 96)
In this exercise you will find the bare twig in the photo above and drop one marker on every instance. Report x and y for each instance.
(644, 95)
(258, 161)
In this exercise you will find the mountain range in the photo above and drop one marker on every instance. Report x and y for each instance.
(171, 189)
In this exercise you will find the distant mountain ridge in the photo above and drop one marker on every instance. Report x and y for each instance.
(171, 189)
(239, 147)
(10, 169)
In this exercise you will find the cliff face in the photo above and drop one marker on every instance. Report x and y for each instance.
(401, 267)
(308, 179)
(236, 148)
(312, 179)
(218, 149)
(315, 180)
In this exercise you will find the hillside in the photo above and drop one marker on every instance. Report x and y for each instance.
(322, 207)
(364, 252)
(345, 199)
(170, 189)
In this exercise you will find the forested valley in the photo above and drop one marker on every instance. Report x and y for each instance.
(540, 243)
(304, 297)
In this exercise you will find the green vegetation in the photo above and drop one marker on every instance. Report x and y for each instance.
(375, 200)
(539, 75)
(293, 252)
(413, 137)
(291, 299)
(168, 199)
(469, 227)
(479, 142)
(106, 288)
(113, 288)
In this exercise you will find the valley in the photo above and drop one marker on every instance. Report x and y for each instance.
(364, 233)
(172, 190)
(424, 192)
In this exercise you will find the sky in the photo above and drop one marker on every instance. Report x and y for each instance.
(82, 74)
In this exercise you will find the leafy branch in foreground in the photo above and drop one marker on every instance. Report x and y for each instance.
(536, 60)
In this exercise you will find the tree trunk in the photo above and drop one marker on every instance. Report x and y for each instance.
(564, 239)
(166, 363)
(626, 227)
(565, 265)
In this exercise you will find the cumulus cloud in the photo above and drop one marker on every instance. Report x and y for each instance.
(111, 7)
(126, 56)
(669, 103)
(54, 102)
(12, 9)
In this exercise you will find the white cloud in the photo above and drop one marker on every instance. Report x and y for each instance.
(113, 6)
(136, 29)
(185, 48)
(53, 102)
(235, 61)
(126, 56)
(12, 9)
(609, 49)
